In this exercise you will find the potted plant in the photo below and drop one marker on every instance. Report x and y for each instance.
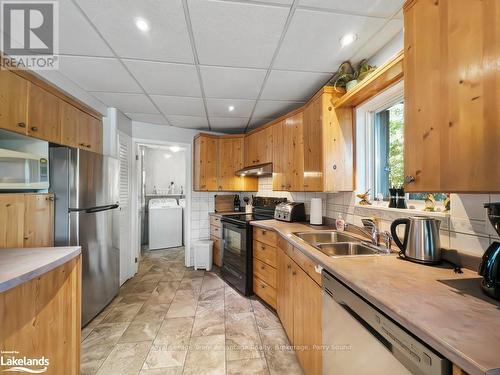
(347, 76)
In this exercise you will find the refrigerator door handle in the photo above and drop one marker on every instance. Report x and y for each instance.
(95, 209)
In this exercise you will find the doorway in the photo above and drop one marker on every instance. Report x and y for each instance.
(162, 191)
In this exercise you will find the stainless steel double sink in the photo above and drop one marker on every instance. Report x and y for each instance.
(339, 244)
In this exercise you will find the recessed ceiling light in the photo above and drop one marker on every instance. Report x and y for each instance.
(348, 39)
(230, 108)
(142, 24)
(167, 156)
(175, 148)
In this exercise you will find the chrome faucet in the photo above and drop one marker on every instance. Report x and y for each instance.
(370, 230)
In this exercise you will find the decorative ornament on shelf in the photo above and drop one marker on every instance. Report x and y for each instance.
(365, 198)
(430, 203)
(348, 76)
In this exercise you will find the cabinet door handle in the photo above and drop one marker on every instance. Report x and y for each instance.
(34, 128)
(294, 273)
(21, 124)
(263, 248)
(409, 179)
(262, 268)
(88, 146)
(288, 266)
(262, 286)
(334, 167)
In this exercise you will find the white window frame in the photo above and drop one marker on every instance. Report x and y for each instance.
(365, 143)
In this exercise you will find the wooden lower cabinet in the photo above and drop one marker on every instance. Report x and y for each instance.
(264, 266)
(217, 251)
(26, 220)
(41, 318)
(299, 306)
(216, 237)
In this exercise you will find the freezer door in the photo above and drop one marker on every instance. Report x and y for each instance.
(101, 259)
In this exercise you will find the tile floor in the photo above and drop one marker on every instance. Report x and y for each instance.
(170, 319)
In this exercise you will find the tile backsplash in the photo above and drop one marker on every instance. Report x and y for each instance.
(465, 228)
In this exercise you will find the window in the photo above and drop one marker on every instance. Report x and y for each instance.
(380, 145)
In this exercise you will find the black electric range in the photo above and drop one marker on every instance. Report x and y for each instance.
(237, 254)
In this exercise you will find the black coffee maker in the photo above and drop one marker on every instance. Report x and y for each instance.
(490, 264)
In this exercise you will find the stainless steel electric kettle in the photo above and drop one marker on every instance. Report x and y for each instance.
(421, 242)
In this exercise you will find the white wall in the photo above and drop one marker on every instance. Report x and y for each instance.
(392, 48)
(160, 171)
(113, 122)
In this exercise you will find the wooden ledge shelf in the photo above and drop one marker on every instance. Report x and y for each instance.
(383, 77)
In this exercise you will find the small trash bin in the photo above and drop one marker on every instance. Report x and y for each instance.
(203, 254)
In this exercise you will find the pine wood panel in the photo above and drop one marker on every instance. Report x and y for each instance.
(284, 293)
(279, 171)
(89, 133)
(205, 159)
(307, 321)
(11, 220)
(258, 147)
(230, 160)
(452, 91)
(268, 237)
(264, 291)
(307, 265)
(13, 102)
(217, 254)
(264, 253)
(42, 318)
(313, 139)
(39, 220)
(264, 272)
(43, 114)
(69, 120)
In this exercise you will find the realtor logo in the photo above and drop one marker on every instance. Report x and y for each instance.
(30, 34)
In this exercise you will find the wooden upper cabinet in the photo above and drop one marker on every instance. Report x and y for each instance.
(43, 114)
(328, 145)
(13, 102)
(39, 220)
(259, 147)
(231, 153)
(89, 133)
(11, 220)
(205, 163)
(452, 95)
(288, 158)
(69, 119)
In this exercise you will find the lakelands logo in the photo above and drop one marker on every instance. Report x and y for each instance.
(30, 38)
(15, 363)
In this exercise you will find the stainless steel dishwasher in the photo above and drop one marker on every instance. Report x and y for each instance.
(359, 339)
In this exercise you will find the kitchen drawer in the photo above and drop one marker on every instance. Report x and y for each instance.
(307, 264)
(267, 236)
(217, 251)
(215, 221)
(264, 272)
(264, 291)
(215, 231)
(285, 246)
(265, 253)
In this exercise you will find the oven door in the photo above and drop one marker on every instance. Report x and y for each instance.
(235, 256)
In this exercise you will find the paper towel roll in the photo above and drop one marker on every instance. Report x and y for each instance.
(316, 216)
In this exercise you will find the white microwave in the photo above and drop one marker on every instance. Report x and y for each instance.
(23, 171)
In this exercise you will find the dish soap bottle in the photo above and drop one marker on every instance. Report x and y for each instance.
(340, 223)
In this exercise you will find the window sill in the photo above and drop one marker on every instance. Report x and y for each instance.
(411, 211)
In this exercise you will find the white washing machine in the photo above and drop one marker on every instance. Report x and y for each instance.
(165, 223)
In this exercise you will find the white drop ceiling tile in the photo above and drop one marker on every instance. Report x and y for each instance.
(293, 85)
(220, 107)
(312, 40)
(166, 78)
(127, 103)
(191, 122)
(238, 83)
(167, 39)
(376, 8)
(379, 40)
(76, 35)
(236, 33)
(277, 2)
(148, 117)
(98, 74)
(179, 105)
(227, 124)
(270, 109)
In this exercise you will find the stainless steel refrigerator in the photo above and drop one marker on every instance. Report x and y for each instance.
(85, 185)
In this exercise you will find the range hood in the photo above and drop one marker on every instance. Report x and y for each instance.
(256, 170)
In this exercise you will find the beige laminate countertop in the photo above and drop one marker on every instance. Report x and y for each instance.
(448, 311)
(18, 266)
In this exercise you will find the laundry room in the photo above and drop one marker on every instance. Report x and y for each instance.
(163, 181)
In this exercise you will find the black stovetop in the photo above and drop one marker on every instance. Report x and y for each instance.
(263, 209)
